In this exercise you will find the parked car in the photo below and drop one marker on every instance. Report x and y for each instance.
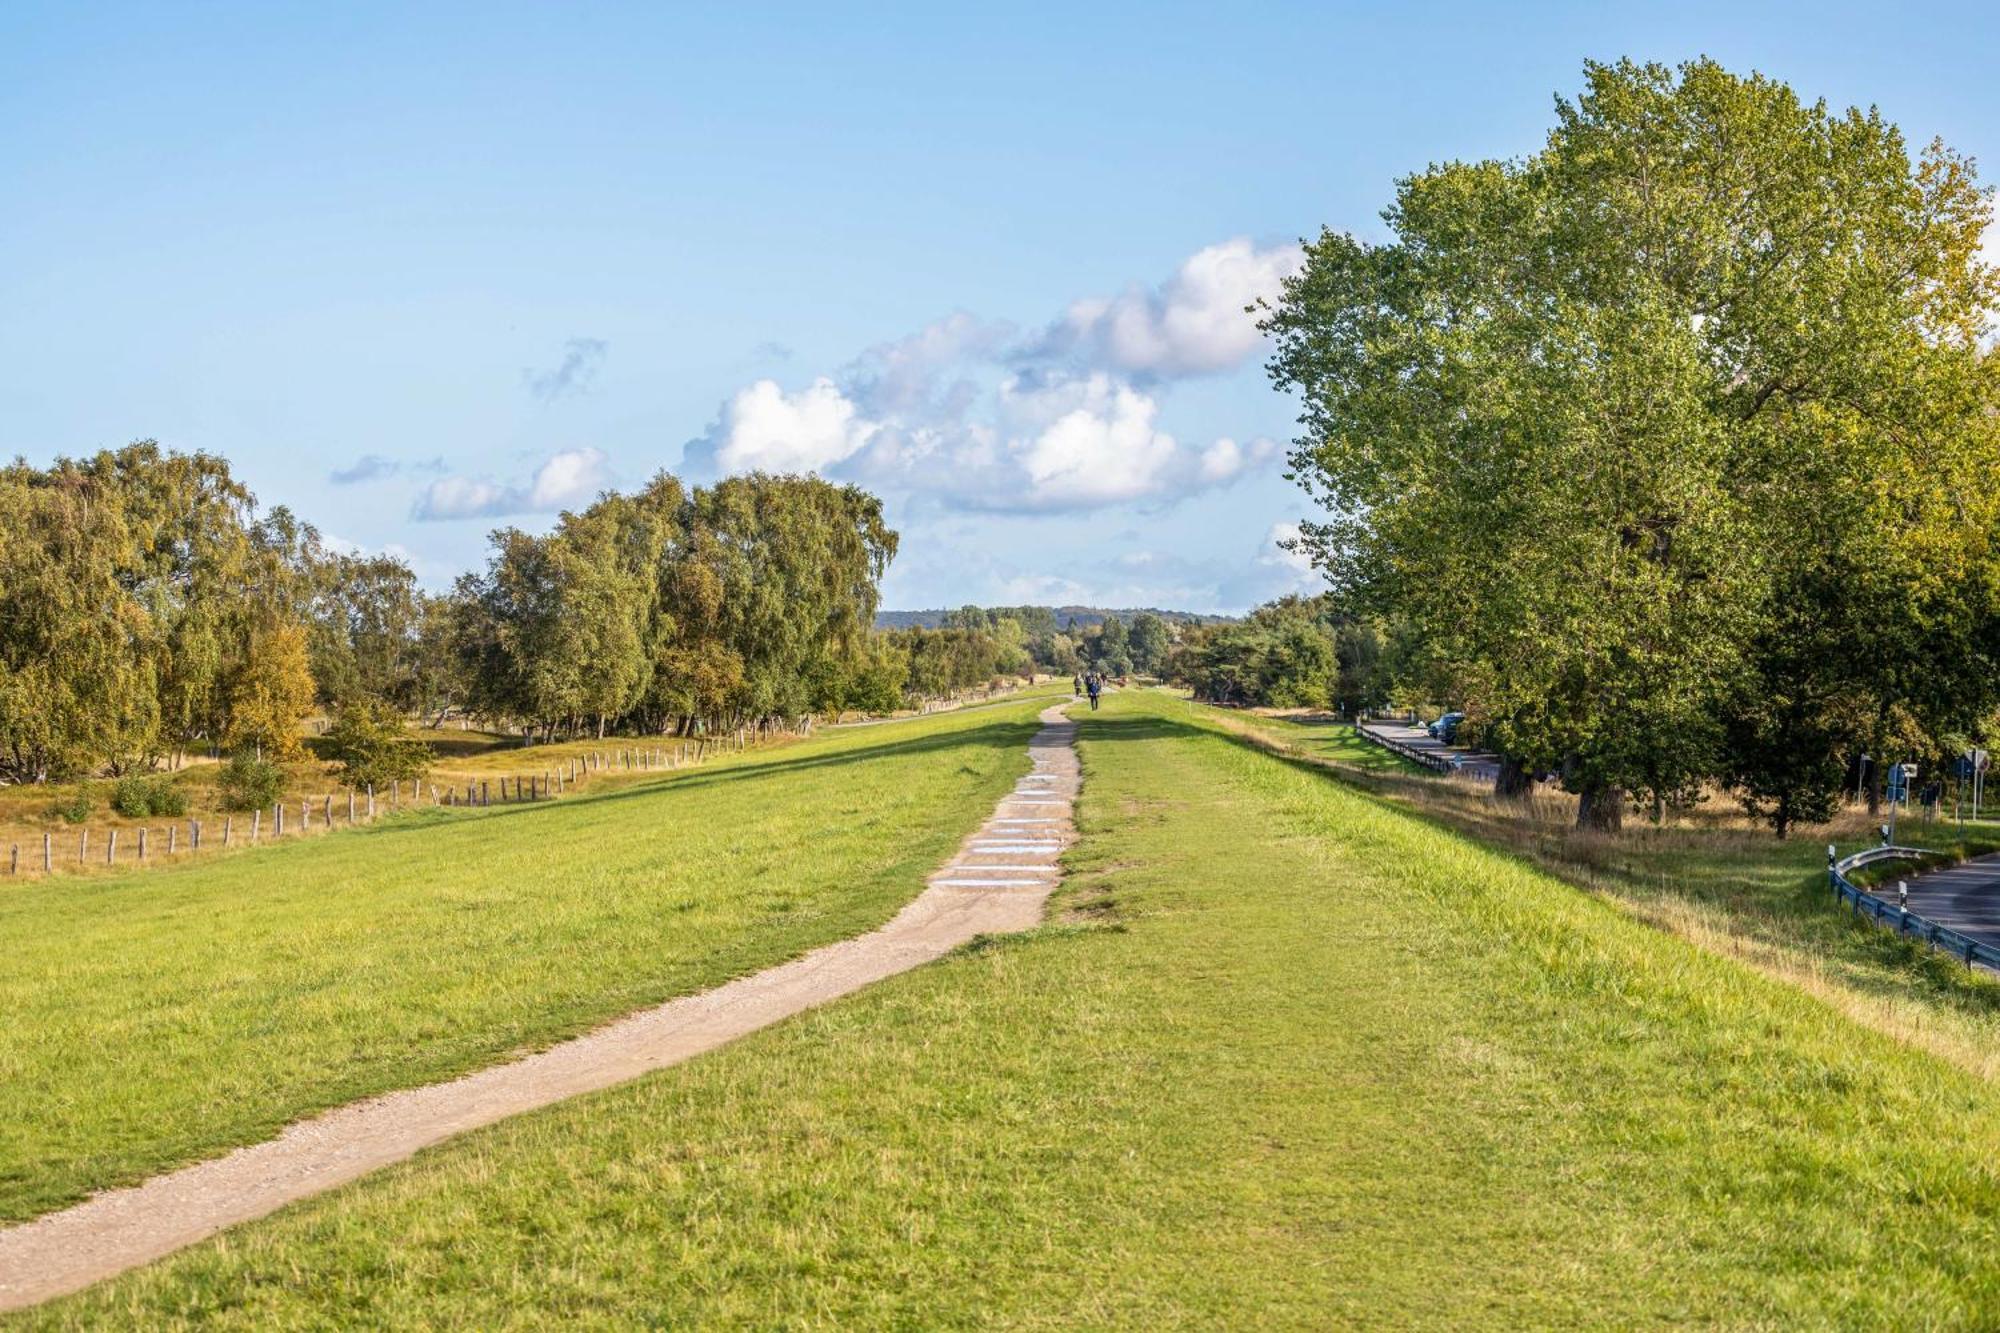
(1445, 727)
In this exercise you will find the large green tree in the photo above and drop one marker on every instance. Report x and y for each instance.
(1609, 427)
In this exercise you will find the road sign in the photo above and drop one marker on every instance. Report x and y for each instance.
(1901, 777)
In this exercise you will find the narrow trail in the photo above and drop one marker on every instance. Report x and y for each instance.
(998, 882)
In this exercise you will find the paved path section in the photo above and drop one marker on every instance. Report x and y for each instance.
(1964, 897)
(1475, 763)
(998, 882)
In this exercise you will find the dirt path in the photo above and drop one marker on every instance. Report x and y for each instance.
(998, 881)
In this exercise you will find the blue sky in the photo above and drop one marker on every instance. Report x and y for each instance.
(422, 271)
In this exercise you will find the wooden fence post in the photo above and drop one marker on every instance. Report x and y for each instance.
(48, 853)
(142, 844)
(111, 848)
(228, 829)
(485, 797)
(173, 838)
(350, 805)
(194, 835)
(256, 824)
(82, 846)
(278, 818)
(14, 860)
(329, 810)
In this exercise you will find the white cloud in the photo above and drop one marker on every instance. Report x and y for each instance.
(1050, 442)
(1195, 323)
(962, 410)
(564, 480)
(568, 478)
(902, 377)
(573, 374)
(1102, 453)
(1043, 590)
(763, 427)
(1291, 566)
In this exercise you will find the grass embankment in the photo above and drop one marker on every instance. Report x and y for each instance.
(463, 759)
(1321, 736)
(160, 1017)
(1288, 1057)
(1720, 879)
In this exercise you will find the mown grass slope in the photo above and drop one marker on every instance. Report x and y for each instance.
(1723, 881)
(1288, 1057)
(155, 1018)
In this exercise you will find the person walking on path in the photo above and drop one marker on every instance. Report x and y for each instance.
(1096, 684)
(1077, 685)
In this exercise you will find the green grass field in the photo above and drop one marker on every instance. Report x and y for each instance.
(1288, 1056)
(1719, 879)
(156, 1018)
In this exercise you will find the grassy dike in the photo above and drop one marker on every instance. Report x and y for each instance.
(1718, 879)
(156, 1018)
(1287, 1057)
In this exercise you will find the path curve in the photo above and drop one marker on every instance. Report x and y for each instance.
(997, 882)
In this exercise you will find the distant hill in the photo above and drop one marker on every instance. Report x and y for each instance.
(1083, 615)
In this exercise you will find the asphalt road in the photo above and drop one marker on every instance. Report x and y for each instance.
(1475, 763)
(1965, 898)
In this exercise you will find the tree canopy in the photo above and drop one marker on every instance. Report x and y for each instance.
(1674, 444)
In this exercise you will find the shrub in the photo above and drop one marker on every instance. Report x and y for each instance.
(373, 747)
(133, 797)
(168, 798)
(136, 797)
(250, 783)
(74, 808)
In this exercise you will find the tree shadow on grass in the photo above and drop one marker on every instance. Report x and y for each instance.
(988, 736)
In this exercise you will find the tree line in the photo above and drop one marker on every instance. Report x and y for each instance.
(1296, 652)
(1675, 446)
(148, 609)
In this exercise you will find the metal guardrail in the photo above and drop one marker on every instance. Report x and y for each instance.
(1437, 763)
(1901, 920)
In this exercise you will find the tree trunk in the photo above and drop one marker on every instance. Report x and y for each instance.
(1515, 782)
(1600, 809)
(1781, 818)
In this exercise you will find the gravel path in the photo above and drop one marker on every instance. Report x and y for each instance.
(998, 882)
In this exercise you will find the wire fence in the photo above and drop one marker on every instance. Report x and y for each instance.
(145, 846)
(1890, 916)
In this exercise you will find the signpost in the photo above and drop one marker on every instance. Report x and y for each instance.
(1902, 777)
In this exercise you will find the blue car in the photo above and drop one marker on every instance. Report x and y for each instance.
(1445, 727)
